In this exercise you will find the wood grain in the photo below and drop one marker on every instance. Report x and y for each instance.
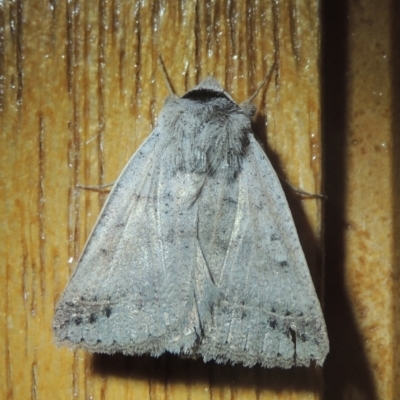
(80, 90)
(361, 100)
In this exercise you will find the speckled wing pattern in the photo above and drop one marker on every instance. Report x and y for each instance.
(269, 313)
(195, 251)
(130, 291)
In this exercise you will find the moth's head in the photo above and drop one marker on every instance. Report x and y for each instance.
(210, 84)
(210, 88)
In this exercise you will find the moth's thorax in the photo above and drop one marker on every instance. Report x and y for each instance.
(207, 133)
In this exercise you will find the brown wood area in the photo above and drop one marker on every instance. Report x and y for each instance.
(81, 88)
(361, 132)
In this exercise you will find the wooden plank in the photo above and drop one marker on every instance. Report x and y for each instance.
(81, 91)
(361, 104)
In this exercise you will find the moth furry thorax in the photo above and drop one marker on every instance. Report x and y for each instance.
(209, 130)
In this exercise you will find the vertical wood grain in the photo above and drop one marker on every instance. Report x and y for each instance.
(362, 150)
(80, 90)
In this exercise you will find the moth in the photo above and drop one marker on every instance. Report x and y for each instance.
(195, 251)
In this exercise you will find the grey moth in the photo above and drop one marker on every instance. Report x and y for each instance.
(195, 251)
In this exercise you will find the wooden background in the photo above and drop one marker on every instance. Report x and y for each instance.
(80, 89)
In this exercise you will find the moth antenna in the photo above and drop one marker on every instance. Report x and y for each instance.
(166, 77)
(260, 86)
